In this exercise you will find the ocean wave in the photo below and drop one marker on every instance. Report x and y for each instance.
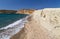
(15, 23)
(11, 25)
(11, 29)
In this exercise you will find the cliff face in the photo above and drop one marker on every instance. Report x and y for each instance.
(49, 18)
(25, 11)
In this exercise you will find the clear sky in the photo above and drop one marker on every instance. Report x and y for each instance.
(28, 4)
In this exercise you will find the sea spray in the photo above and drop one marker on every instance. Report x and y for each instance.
(10, 30)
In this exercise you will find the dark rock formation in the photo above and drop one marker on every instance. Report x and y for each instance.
(8, 11)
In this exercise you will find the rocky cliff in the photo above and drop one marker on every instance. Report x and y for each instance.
(25, 11)
(22, 11)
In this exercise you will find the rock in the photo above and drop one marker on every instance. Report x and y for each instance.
(49, 18)
(25, 11)
(22, 11)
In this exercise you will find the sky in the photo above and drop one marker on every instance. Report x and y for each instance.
(28, 4)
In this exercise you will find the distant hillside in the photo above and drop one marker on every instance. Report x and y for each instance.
(22, 11)
(25, 11)
(8, 11)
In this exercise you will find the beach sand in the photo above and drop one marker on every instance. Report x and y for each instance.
(32, 30)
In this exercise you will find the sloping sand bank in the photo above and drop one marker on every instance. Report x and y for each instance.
(43, 24)
(32, 30)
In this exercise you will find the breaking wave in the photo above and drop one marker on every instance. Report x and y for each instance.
(11, 29)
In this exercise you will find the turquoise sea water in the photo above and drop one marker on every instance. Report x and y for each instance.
(6, 19)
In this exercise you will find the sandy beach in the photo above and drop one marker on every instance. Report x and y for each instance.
(32, 30)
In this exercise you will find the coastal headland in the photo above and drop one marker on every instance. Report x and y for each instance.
(22, 11)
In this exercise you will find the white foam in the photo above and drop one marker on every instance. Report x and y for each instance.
(15, 23)
(12, 29)
(12, 24)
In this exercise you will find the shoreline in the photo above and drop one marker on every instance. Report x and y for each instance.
(12, 29)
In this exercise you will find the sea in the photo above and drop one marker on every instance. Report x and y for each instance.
(11, 24)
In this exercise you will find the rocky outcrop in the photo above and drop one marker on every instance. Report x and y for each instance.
(25, 11)
(22, 11)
